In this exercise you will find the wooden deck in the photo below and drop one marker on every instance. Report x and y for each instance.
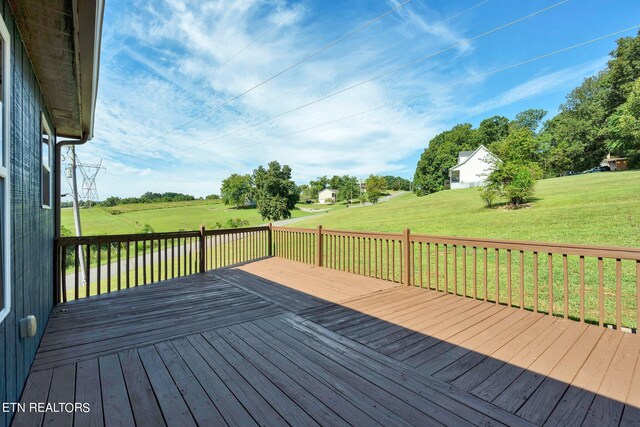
(276, 342)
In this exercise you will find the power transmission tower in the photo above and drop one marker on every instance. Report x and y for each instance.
(89, 192)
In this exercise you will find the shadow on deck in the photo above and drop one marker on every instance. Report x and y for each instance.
(278, 342)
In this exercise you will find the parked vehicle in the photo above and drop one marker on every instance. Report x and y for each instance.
(598, 169)
(569, 173)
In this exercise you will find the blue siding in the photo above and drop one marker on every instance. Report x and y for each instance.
(32, 226)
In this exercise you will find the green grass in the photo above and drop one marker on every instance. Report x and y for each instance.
(161, 216)
(599, 209)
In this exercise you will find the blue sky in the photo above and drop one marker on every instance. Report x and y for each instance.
(167, 65)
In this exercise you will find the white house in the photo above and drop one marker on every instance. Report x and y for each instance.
(472, 169)
(328, 195)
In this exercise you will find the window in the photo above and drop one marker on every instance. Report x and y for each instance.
(455, 176)
(45, 155)
(5, 194)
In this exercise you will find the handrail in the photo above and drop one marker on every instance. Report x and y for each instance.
(589, 283)
(121, 261)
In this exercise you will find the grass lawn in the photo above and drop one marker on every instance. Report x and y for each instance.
(599, 209)
(162, 217)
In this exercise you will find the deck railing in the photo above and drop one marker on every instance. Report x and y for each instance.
(595, 284)
(94, 265)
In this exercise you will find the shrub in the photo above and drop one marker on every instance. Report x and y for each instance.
(146, 229)
(514, 181)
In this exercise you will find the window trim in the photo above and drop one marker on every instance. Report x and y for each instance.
(45, 128)
(5, 171)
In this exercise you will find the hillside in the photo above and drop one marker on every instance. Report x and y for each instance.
(124, 219)
(599, 208)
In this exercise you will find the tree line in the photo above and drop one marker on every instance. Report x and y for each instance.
(148, 197)
(349, 189)
(600, 116)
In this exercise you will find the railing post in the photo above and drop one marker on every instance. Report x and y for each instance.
(270, 240)
(407, 256)
(56, 271)
(319, 246)
(203, 249)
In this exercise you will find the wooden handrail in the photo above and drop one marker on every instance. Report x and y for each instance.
(510, 272)
(137, 259)
(543, 277)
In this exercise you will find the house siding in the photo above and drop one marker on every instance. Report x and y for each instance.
(32, 226)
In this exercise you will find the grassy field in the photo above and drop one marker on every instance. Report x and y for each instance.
(597, 209)
(161, 217)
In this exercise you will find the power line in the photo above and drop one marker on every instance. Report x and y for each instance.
(257, 123)
(306, 58)
(254, 41)
(457, 83)
(385, 74)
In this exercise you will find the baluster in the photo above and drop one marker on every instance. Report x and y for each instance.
(535, 282)
(475, 272)
(497, 278)
(601, 290)
(76, 270)
(618, 293)
(550, 265)
(565, 270)
(151, 260)
(464, 270)
(87, 286)
(509, 278)
(446, 268)
(108, 267)
(521, 280)
(455, 269)
(144, 262)
(437, 260)
(484, 254)
(420, 265)
(98, 272)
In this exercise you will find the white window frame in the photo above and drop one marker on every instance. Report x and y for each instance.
(45, 128)
(5, 170)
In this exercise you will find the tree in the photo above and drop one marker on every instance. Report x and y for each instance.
(520, 145)
(512, 180)
(335, 182)
(441, 155)
(236, 190)
(317, 186)
(492, 129)
(375, 186)
(275, 193)
(623, 126)
(349, 188)
(397, 183)
(622, 71)
(530, 119)
(212, 197)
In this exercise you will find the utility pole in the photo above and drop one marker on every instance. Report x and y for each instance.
(76, 209)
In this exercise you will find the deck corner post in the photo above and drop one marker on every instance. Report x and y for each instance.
(203, 248)
(270, 240)
(57, 270)
(319, 247)
(406, 248)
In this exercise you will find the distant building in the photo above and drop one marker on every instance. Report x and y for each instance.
(615, 163)
(472, 169)
(328, 195)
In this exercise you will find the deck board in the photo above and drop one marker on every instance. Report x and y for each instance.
(277, 343)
